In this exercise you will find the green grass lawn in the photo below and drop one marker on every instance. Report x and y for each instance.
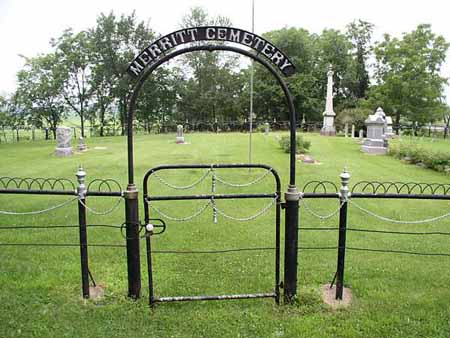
(394, 295)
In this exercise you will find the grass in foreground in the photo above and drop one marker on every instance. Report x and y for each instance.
(395, 295)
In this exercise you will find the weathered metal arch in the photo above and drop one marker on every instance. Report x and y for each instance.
(146, 73)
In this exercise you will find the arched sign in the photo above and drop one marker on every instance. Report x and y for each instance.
(210, 33)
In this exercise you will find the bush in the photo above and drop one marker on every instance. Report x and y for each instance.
(302, 145)
(438, 161)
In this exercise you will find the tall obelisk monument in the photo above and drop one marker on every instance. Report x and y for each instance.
(328, 128)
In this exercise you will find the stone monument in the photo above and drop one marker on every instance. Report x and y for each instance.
(353, 131)
(328, 128)
(81, 144)
(180, 137)
(376, 141)
(346, 130)
(361, 136)
(389, 130)
(63, 137)
(266, 128)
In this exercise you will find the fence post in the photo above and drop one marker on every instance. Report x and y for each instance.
(292, 197)
(343, 201)
(132, 238)
(81, 192)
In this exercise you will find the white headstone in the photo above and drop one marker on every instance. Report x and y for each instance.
(389, 130)
(353, 131)
(346, 130)
(81, 144)
(180, 136)
(63, 137)
(328, 128)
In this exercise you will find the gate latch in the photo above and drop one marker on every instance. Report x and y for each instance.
(154, 223)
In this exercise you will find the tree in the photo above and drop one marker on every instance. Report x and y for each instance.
(74, 57)
(360, 34)
(332, 47)
(115, 41)
(446, 118)
(40, 91)
(408, 76)
(209, 78)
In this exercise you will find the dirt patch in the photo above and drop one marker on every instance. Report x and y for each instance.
(96, 292)
(329, 297)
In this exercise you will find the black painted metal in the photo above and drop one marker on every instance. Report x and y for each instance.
(341, 251)
(208, 197)
(291, 251)
(147, 199)
(401, 196)
(210, 33)
(38, 192)
(375, 190)
(292, 118)
(83, 247)
(162, 60)
(132, 240)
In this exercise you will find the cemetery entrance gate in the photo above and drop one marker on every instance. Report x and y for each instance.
(212, 38)
(211, 198)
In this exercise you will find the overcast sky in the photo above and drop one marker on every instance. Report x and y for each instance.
(27, 26)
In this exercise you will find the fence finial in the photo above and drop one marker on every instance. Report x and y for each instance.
(345, 178)
(81, 177)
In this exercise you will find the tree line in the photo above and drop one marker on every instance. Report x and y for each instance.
(84, 75)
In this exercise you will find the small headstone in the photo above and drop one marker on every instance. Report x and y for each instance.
(180, 137)
(346, 130)
(353, 131)
(63, 137)
(81, 144)
(361, 136)
(266, 128)
(389, 130)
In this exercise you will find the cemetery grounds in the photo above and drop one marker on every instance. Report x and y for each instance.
(394, 295)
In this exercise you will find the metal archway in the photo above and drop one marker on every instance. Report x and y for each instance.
(292, 195)
(166, 58)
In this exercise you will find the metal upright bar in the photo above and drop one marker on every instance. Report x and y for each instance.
(132, 240)
(345, 177)
(81, 190)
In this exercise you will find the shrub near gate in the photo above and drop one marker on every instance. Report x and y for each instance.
(412, 153)
(302, 145)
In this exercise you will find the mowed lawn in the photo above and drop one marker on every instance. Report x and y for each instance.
(395, 295)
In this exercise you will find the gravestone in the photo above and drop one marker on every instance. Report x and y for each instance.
(180, 137)
(81, 144)
(353, 131)
(361, 136)
(389, 130)
(63, 137)
(328, 128)
(376, 141)
(346, 130)
(266, 128)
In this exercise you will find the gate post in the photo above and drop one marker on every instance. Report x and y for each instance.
(81, 192)
(292, 197)
(132, 240)
(343, 201)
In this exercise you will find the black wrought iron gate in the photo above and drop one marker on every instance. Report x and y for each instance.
(210, 169)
